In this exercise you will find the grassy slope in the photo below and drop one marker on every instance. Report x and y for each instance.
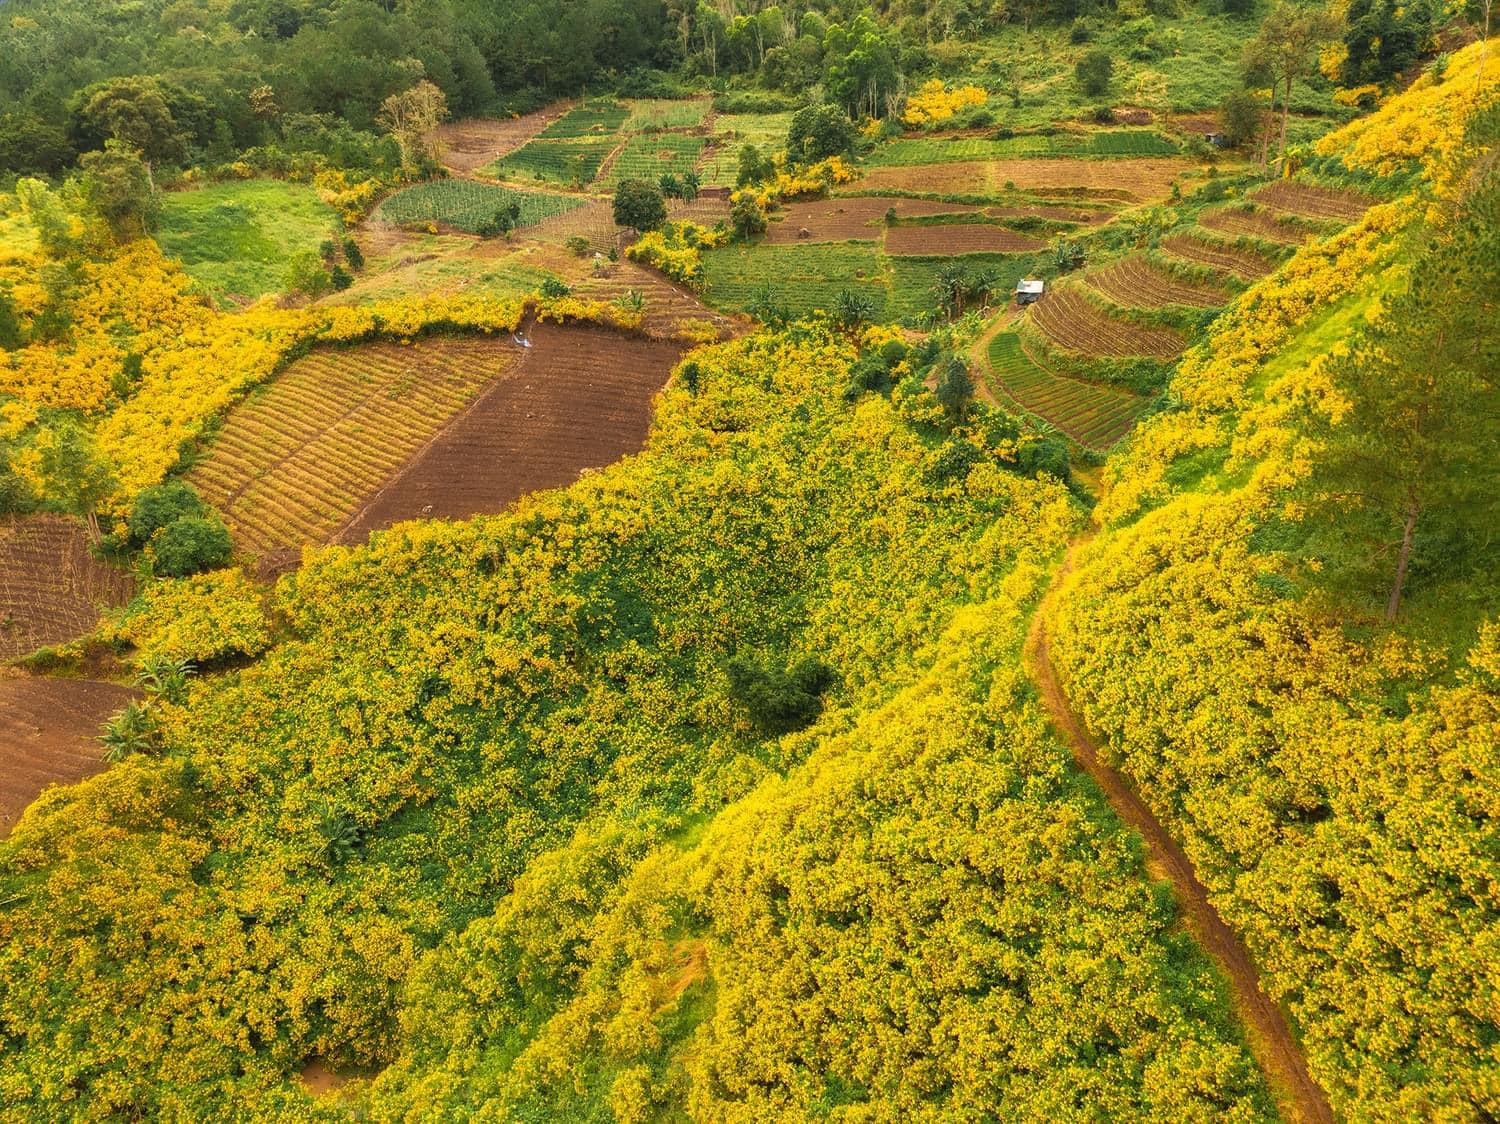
(235, 239)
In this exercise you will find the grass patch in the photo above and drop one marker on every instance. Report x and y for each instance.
(801, 278)
(235, 239)
(466, 205)
(597, 119)
(656, 114)
(909, 151)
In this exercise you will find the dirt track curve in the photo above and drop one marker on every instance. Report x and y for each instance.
(1270, 1039)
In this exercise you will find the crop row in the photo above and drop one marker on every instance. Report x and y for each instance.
(1093, 415)
(1313, 201)
(936, 150)
(1238, 222)
(468, 205)
(649, 156)
(575, 163)
(593, 119)
(662, 113)
(1070, 321)
(1202, 251)
(1136, 283)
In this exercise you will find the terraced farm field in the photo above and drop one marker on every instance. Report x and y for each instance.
(294, 463)
(936, 150)
(1238, 222)
(800, 277)
(49, 735)
(666, 307)
(1312, 201)
(655, 114)
(1067, 318)
(467, 205)
(589, 120)
(476, 141)
(579, 398)
(959, 238)
(848, 217)
(52, 588)
(594, 222)
(732, 131)
(1202, 251)
(649, 156)
(1095, 416)
(1136, 283)
(1134, 180)
(573, 163)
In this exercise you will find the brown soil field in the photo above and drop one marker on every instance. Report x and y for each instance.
(1069, 320)
(1242, 263)
(292, 464)
(1142, 179)
(48, 735)
(1136, 283)
(594, 221)
(705, 210)
(1313, 202)
(580, 398)
(667, 306)
(476, 141)
(958, 238)
(51, 588)
(1237, 223)
(1057, 214)
(850, 217)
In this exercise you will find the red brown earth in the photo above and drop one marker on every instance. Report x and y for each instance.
(958, 238)
(49, 731)
(52, 589)
(580, 398)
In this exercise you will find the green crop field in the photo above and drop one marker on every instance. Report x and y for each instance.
(663, 113)
(466, 205)
(936, 150)
(801, 278)
(552, 161)
(236, 239)
(1093, 415)
(649, 156)
(594, 119)
(912, 280)
(732, 131)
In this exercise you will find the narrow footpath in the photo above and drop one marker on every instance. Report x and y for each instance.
(1269, 1037)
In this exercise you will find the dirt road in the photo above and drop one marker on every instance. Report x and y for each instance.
(1270, 1038)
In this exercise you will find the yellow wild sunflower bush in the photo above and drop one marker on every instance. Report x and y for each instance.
(709, 785)
(198, 619)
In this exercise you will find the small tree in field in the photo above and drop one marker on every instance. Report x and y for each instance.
(955, 387)
(1240, 117)
(410, 117)
(1093, 71)
(1286, 50)
(640, 205)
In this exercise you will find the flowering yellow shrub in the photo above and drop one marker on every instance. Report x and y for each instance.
(197, 619)
(935, 103)
(676, 249)
(814, 180)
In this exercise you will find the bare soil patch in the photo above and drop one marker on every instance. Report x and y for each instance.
(1068, 319)
(1313, 202)
(1242, 263)
(1136, 283)
(1056, 214)
(1136, 180)
(958, 238)
(48, 735)
(580, 398)
(52, 588)
(476, 141)
(1240, 223)
(845, 218)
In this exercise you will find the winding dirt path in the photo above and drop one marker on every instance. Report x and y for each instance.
(1269, 1037)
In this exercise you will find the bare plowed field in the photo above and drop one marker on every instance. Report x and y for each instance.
(1313, 202)
(581, 398)
(1239, 223)
(849, 217)
(1242, 263)
(666, 307)
(477, 141)
(1056, 214)
(48, 735)
(1069, 320)
(294, 463)
(1136, 283)
(958, 238)
(1132, 180)
(51, 588)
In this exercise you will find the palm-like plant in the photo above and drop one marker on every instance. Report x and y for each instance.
(950, 286)
(165, 679)
(131, 731)
(341, 836)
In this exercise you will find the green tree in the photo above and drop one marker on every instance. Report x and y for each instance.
(31, 146)
(192, 545)
(117, 185)
(135, 113)
(818, 132)
(955, 387)
(753, 167)
(1093, 72)
(410, 117)
(1285, 50)
(747, 218)
(72, 475)
(639, 204)
(160, 506)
